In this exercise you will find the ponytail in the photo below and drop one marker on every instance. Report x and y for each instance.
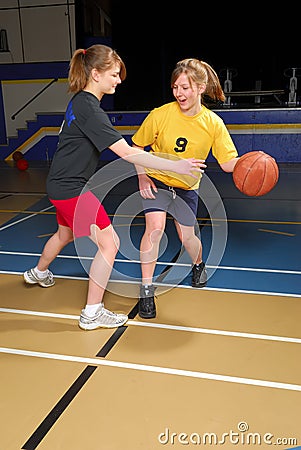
(213, 89)
(200, 72)
(78, 74)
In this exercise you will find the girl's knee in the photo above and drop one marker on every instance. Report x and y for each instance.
(106, 238)
(65, 236)
(155, 234)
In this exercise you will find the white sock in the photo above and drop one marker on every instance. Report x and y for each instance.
(41, 273)
(90, 310)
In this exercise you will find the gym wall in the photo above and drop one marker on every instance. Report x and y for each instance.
(36, 30)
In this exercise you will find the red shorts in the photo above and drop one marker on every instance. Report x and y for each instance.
(79, 213)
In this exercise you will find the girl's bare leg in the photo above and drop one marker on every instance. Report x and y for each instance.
(53, 246)
(149, 246)
(107, 242)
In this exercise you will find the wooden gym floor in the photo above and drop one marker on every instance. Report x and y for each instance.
(218, 367)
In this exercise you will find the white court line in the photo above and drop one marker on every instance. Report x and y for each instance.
(165, 263)
(24, 218)
(156, 369)
(172, 286)
(39, 313)
(238, 334)
(65, 277)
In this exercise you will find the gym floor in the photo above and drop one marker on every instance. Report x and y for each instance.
(218, 366)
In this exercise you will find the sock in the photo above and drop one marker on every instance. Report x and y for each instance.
(41, 273)
(90, 310)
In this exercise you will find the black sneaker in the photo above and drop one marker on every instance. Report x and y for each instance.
(147, 307)
(199, 275)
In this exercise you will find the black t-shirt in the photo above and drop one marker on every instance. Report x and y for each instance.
(85, 133)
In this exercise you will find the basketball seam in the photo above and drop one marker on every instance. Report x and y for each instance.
(264, 175)
(249, 171)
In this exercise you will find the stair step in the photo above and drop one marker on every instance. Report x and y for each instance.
(42, 120)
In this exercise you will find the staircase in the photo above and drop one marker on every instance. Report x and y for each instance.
(37, 141)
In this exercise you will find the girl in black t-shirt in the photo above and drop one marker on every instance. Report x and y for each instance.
(85, 133)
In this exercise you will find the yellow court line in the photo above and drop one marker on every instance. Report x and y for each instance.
(213, 219)
(272, 222)
(21, 211)
(142, 216)
(276, 232)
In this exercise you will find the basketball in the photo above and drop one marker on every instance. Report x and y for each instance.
(256, 173)
(17, 155)
(22, 164)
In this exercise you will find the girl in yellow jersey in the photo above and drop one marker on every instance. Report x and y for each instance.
(183, 128)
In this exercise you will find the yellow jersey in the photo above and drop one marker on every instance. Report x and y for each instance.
(171, 134)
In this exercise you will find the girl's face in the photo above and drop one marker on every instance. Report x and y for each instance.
(108, 80)
(187, 94)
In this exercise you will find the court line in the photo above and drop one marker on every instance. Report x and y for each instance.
(239, 334)
(151, 368)
(277, 232)
(40, 432)
(26, 211)
(180, 286)
(164, 263)
(24, 218)
(141, 216)
(45, 426)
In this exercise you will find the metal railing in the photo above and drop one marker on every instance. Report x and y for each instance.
(33, 98)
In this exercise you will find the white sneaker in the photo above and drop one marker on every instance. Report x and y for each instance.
(102, 319)
(31, 277)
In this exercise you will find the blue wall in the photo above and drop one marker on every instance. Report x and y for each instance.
(275, 131)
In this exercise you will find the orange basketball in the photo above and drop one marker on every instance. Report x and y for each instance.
(255, 173)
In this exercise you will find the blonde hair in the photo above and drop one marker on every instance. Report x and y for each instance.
(98, 56)
(200, 72)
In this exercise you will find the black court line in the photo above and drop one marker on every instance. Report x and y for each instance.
(59, 408)
(40, 432)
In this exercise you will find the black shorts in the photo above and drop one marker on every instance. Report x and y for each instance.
(182, 204)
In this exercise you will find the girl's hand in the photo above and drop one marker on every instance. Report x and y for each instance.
(190, 166)
(147, 187)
